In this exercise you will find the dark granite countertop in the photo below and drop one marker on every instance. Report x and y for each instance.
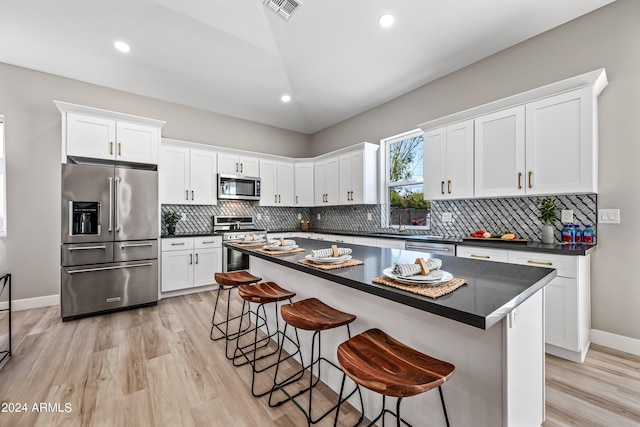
(193, 234)
(494, 288)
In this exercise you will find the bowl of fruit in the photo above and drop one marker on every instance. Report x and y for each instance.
(506, 236)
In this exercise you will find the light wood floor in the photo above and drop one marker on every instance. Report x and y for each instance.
(157, 367)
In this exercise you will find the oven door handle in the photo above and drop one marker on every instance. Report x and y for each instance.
(117, 267)
(85, 248)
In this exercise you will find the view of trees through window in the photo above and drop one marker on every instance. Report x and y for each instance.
(407, 206)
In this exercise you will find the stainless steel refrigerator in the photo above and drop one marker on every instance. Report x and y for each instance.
(109, 244)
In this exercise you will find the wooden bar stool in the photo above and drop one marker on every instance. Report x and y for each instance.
(382, 364)
(312, 315)
(261, 294)
(227, 282)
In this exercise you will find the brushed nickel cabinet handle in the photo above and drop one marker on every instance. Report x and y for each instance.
(539, 262)
(177, 244)
(530, 173)
(279, 198)
(296, 200)
(186, 194)
(275, 198)
(480, 256)
(519, 178)
(241, 168)
(196, 258)
(441, 187)
(193, 195)
(119, 149)
(190, 259)
(111, 148)
(449, 187)
(209, 242)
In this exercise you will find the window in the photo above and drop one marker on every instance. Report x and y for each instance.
(406, 207)
(3, 199)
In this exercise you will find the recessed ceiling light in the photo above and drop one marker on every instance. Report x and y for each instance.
(385, 20)
(122, 46)
(285, 98)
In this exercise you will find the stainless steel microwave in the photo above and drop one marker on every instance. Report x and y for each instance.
(233, 187)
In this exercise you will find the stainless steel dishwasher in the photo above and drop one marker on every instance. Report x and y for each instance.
(442, 249)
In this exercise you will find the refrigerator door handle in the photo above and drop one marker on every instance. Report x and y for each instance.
(89, 270)
(110, 204)
(116, 208)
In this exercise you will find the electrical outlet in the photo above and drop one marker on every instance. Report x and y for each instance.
(369, 216)
(299, 216)
(318, 216)
(183, 217)
(566, 216)
(258, 216)
(608, 216)
(447, 217)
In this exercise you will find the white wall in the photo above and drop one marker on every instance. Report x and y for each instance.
(33, 144)
(608, 38)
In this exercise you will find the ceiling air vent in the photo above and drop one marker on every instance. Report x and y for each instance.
(283, 8)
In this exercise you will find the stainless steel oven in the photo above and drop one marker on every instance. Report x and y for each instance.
(235, 229)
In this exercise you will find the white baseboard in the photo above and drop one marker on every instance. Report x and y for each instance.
(616, 342)
(27, 303)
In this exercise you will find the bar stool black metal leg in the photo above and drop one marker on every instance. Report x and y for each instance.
(444, 408)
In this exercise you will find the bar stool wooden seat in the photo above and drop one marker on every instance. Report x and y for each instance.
(227, 282)
(386, 366)
(312, 315)
(261, 294)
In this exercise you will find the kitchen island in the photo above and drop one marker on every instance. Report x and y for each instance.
(491, 329)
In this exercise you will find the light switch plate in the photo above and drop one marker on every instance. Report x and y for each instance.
(608, 216)
(299, 216)
(566, 216)
(369, 216)
(258, 216)
(183, 217)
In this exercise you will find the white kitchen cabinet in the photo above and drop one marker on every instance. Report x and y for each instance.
(276, 183)
(339, 238)
(326, 182)
(567, 296)
(107, 139)
(448, 162)
(390, 243)
(190, 262)
(234, 164)
(561, 148)
(303, 182)
(499, 153)
(187, 176)
(365, 241)
(358, 176)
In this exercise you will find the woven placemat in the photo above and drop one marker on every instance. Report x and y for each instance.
(431, 291)
(290, 251)
(347, 263)
(247, 244)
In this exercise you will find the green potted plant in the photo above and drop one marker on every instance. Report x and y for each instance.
(171, 219)
(548, 214)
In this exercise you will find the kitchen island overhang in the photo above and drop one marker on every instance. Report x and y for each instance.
(493, 290)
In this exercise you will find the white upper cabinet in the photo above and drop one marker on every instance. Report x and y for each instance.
(358, 176)
(448, 162)
(303, 181)
(276, 183)
(107, 135)
(561, 150)
(234, 164)
(499, 153)
(326, 181)
(187, 176)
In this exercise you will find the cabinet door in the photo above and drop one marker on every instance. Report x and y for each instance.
(333, 181)
(228, 164)
(137, 143)
(203, 177)
(499, 154)
(304, 192)
(91, 137)
(177, 270)
(459, 160)
(344, 185)
(249, 166)
(285, 184)
(561, 313)
(560, 147)
(268, 183)
(320, 183)
(357, 177)
(174, 175)
(485, 254)
(434, 163)
(206, 263)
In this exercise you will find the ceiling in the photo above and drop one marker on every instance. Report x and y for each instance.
(237, 57)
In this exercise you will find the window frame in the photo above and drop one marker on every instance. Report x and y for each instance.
(3, 180)
(386, 183)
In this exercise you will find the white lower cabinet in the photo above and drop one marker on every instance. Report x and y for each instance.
(190, 262)
(567, 296)
(391, 243)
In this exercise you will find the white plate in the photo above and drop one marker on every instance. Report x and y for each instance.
(336, 260)
(419, 280)
(280, 248)
(252, 241)
(330, 258)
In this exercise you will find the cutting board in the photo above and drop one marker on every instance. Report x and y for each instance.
(496, 240)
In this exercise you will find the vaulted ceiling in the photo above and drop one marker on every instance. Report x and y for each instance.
(237, 57)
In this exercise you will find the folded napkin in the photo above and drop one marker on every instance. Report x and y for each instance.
(327, 253)
(276, 243)
(406, 270)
